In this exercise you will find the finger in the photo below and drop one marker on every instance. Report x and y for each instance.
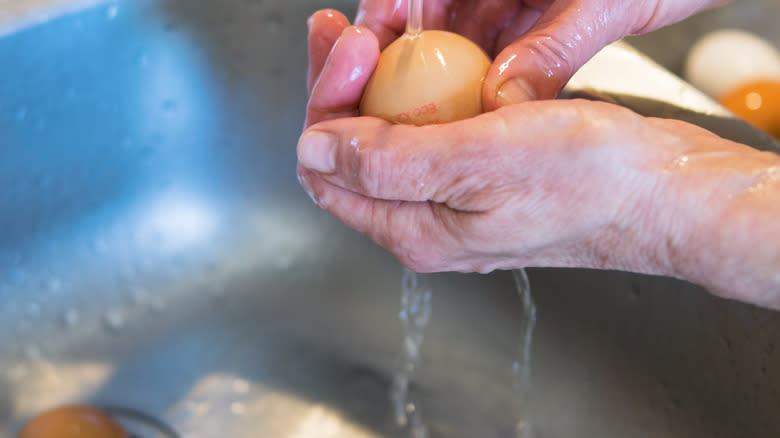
(439, 163)
(325, 27)
(451, 163)
(348, 68)
(541, 62)
(524, 20)
(409, 230)
(482, 22)
(387, 18)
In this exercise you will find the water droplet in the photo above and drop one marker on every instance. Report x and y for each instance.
(44, 181)
(143, 60)
(100, 246)
(21, 114)
(237, 408)
(33, 352)
(55, 285)
(114, 321)
(18, 275)
(112, 12)
(169, 106)
(71, 318)
(240, 386)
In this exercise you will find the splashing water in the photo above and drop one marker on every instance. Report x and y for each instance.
(414, 21)
(521, 369)
(415, 314)
(21, 114)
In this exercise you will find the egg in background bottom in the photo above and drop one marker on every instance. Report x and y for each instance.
(725, 60)
(433, 77)
(758, 103)
(73, 422)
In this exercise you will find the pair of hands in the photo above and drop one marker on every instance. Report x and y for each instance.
(532, 182)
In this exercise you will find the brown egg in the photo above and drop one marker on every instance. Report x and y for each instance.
(757, 102)
(432, 77)
(73, 422)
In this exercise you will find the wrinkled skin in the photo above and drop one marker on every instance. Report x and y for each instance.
(547, 183)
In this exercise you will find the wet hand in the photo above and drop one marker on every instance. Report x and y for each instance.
(538, 184)
(550, 183)
(537, 44)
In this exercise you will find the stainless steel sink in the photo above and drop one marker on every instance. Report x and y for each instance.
(157, 254)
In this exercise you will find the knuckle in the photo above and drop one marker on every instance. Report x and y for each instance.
(554, 56)
(651, 16)
(365, 168)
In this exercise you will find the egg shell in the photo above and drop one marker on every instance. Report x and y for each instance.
(432, 77)
(758, 103)
(724, 60)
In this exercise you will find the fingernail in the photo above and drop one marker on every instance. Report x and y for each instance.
(513, 91)
(310, 22)
(317, 151)
(307, 188)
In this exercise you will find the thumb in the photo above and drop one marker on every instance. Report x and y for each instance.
(540, 63)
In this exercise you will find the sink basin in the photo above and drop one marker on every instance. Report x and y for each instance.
(157, 254)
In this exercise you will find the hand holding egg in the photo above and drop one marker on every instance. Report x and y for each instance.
(501, 190)
(432, 77)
